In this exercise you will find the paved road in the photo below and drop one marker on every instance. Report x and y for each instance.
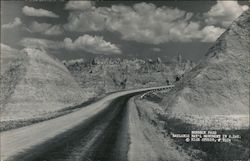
(92, 133)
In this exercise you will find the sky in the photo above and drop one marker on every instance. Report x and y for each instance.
(142, 29)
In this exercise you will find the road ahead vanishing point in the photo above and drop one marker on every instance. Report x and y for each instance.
(96, 132)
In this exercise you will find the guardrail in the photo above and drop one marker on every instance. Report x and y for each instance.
(154, 90)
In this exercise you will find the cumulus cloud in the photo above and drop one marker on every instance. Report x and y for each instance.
(17, 22)
(41, 43)
(86, 21)
(211, 33)
(54, 30)
(224, 12)
(143, 22)
(92, 44)
(45, 28)
(78, 5)
(39, 27)
(30, 11)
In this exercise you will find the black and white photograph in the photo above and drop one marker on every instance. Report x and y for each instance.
(125, 80)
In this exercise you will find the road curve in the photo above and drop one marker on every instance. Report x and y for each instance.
(91, 133)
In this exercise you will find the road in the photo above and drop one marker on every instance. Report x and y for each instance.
(99, 131)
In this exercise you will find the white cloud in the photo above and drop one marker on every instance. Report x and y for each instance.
(143, 22)
(45, 28)
(39, 27)
(41, 43)
(92, 44)
(85, 21)
(211, 33)
(224, 12)
(30, 11)
(78, 5)
(54, 30)
(17, 22)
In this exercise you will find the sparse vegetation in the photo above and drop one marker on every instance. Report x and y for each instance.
(114, 74)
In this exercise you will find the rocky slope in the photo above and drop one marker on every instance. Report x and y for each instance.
(34, 84)
(220, 84)
(104, 75)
